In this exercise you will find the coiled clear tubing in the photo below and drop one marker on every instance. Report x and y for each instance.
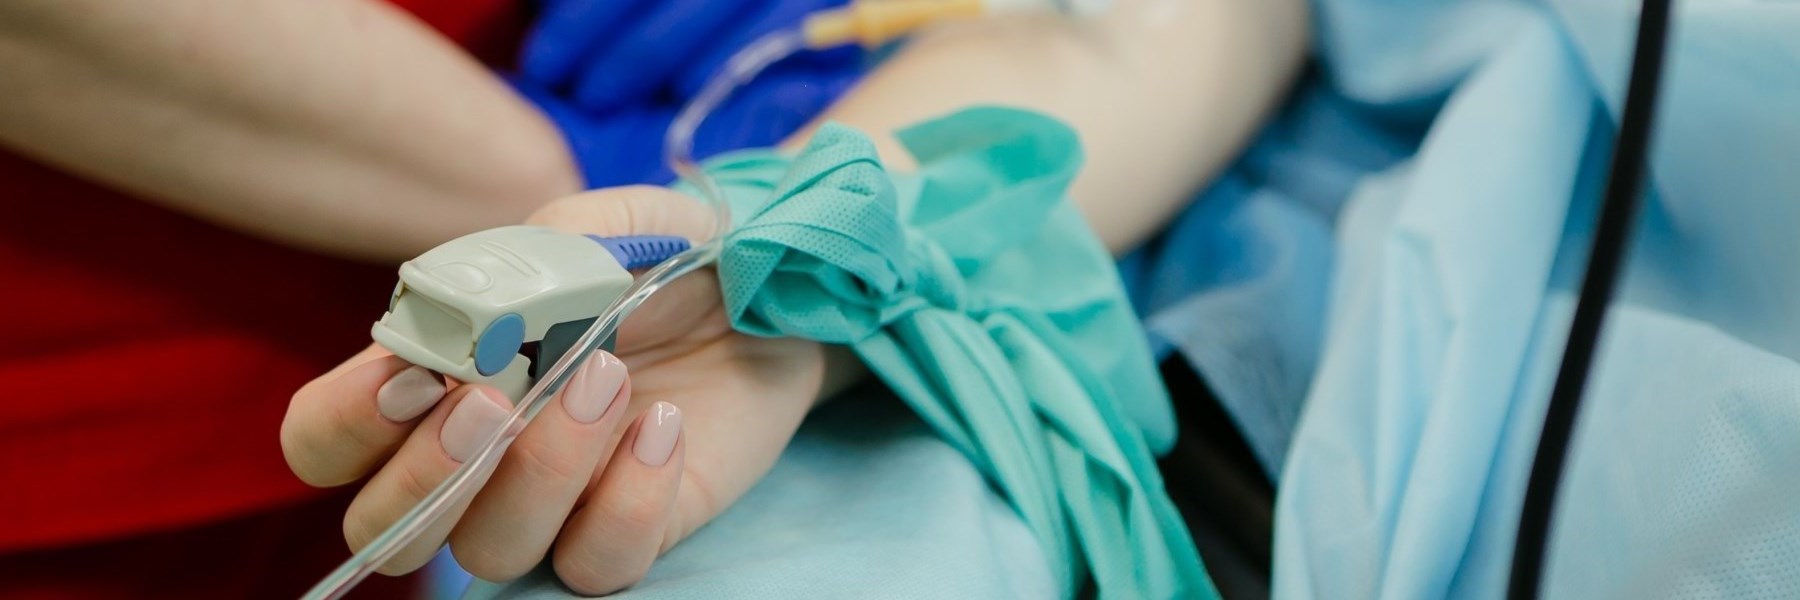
(678, 153)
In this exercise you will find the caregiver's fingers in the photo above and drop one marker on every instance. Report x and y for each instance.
(450, 435)
(342, 424)
(611, 541)
(509, 528)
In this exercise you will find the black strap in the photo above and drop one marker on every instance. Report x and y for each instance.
(1618, 211)
(1223, 493)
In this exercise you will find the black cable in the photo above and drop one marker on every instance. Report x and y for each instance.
(1618, 211)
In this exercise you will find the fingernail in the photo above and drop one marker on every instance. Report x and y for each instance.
(470, 424)
(594, 388)
(656, 438)
(409, 394)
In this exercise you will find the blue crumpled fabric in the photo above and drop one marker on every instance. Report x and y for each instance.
(974, 290)
(1402, 414)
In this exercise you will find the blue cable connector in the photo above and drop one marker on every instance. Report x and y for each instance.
(636, 252)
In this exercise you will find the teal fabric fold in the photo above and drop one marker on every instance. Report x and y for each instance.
(976, 292)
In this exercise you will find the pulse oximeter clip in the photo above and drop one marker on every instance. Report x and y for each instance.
(499, 306)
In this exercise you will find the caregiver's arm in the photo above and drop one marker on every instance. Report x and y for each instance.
(1163, 92)
(339, 125)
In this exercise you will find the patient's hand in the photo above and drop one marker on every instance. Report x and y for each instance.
(607, 477)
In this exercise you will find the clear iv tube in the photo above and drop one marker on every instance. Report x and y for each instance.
(678, 152)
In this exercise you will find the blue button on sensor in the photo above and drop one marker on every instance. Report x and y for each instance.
(499, 344)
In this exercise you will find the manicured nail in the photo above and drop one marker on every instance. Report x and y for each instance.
(656, 437)
(594, 388)
(409, 394)
(470, 424)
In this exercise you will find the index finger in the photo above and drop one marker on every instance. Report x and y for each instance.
(342, 424)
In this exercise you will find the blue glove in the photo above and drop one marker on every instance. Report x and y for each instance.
(607, 54)
(625, 146)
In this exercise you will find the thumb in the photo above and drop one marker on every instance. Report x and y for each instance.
(632, 210)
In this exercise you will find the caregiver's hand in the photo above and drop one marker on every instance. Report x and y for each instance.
(624, 146)
(610, 53)
(608, 476)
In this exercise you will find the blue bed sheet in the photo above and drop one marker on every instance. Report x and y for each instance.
(1378, 295)
(866, 503)
(1448, 314)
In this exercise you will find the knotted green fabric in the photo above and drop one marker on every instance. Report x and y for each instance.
(978, 294)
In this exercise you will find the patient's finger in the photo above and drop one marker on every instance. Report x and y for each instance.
(630, 210)
(648, 210)
(341, 425)
(452, 434)
(611, 541)
(509, 528)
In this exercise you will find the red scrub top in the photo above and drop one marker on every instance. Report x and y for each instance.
(147, 358)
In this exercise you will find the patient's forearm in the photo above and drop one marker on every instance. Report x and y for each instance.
(339, 125)
(1163, 92)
